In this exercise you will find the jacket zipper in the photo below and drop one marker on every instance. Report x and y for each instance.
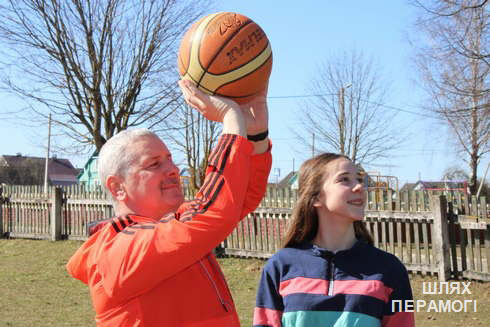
(218, 294)
(330, 277)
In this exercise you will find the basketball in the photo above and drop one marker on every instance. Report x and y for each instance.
(226, 54)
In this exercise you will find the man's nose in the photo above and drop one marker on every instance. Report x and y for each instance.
(172, 170)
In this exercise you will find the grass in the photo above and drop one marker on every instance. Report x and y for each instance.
(36, 291)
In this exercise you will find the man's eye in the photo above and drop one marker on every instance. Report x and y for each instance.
(154, 164)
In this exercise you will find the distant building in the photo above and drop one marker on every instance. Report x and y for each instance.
(25, 170)
(437, 187)
(89, 175)
(290, 180)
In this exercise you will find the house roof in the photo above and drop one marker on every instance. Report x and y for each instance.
(288, 179)
(60, 171)
(434, 185)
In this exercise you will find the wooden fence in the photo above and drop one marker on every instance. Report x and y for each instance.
(430, 234)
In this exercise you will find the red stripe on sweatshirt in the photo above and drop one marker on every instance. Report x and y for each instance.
(303, 285)
(267, 317)
(374, 288)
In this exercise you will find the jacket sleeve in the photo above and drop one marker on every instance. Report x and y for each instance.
(394, 314)
(142, 255)
(260, 167)
(269, 306)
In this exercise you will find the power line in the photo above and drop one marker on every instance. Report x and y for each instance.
(367, 101)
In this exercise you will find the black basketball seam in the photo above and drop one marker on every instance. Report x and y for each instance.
(219, 50)
(190, 49)
(238, 67)
(242, 76)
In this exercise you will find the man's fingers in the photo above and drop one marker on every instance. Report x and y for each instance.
(192, 95)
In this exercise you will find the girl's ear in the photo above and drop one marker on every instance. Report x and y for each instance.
(317, 202)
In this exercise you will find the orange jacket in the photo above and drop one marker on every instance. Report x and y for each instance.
(143, 272)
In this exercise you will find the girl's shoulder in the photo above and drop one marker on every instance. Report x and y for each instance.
(380, 258)
(290, 256)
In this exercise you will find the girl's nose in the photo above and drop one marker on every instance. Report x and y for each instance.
(358, 187)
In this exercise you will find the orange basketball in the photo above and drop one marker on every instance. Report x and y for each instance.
(226, 54)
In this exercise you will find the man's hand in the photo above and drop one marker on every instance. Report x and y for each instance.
(215, 108)
(212, 107)
(256, 114)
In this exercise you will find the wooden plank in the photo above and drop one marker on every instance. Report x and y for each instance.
(375, 234)
(469, 225)
(469, 249)
(452, 238)
(34, 236)
(253, 236)
(413, 201)
(260, 238)
(266, 233)
(384, 244)
(389, 198)
(391, 237)
(406, 205)
(462, 239)
(466, 205)
(477, 250)
(440, 238)
(408, 241)
(399, 237)
(476, 275)
(399, 215)
(416, 234)
(397, 201)
(248, 253)
(425, 238)
(381, 199)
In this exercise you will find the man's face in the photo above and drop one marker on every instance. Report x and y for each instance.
(152, 183)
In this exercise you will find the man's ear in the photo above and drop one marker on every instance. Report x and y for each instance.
(115, 185)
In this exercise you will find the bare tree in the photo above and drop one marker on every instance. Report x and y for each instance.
(194, 137)
(98, 66)
(347, 115)
(440, 10)
(457, 85)
(454, 173)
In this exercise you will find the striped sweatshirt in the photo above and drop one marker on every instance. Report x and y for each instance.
(310, 286)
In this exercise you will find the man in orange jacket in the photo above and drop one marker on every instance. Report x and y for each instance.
(152, 264)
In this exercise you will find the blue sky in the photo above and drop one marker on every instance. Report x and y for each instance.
(303, 34)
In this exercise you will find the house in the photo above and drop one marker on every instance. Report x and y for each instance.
(290, 180)
(89, 175)
(437, 187)
(26, 170)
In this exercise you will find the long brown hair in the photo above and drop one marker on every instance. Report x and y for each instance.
(303, 225)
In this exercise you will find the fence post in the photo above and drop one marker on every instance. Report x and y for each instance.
(56, 201)
(440, 237)
(1, 212)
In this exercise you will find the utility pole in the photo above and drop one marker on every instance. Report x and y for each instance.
(47, 158)
(342, 118)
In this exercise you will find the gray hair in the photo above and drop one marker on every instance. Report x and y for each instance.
(115, 157)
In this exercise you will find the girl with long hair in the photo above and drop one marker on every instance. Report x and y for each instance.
(329, 273)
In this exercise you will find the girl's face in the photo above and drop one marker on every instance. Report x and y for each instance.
(342, 193)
